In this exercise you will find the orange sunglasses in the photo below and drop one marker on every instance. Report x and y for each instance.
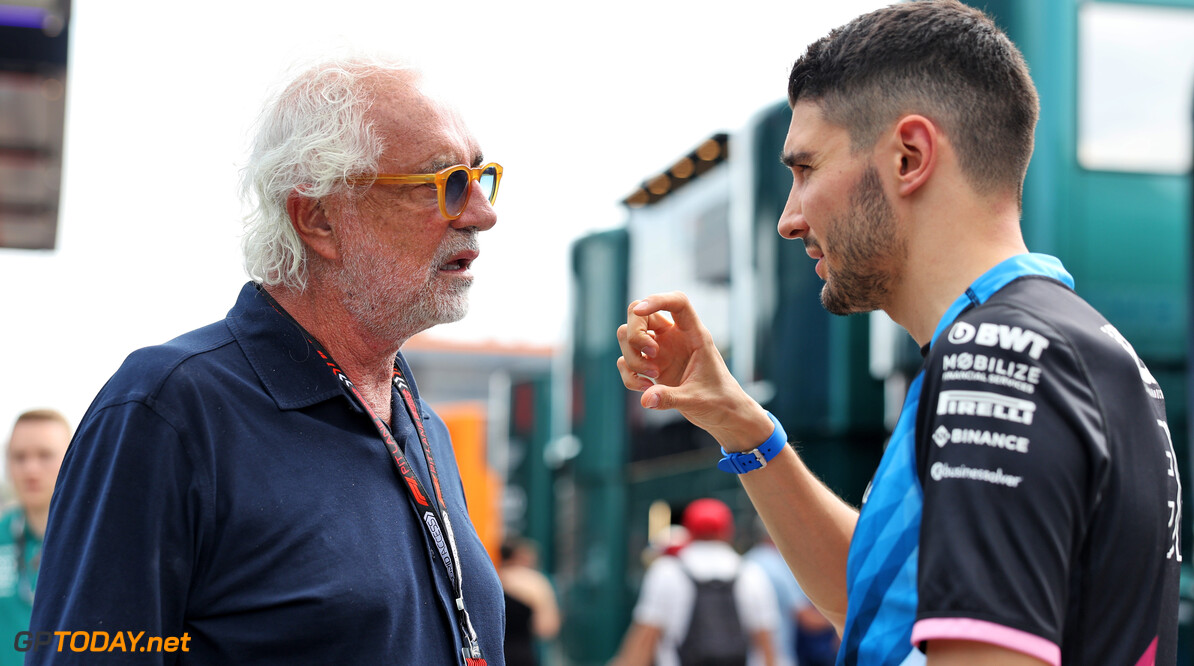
(453, 185)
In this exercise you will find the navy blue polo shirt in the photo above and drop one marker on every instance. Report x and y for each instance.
(224, 488)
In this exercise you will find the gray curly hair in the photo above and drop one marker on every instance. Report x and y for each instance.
(310, 137)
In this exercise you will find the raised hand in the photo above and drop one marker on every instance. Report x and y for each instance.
(675, 364)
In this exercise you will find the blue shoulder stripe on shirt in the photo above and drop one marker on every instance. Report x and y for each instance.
(998, 277)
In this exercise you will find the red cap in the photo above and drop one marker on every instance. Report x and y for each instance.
(708, 518)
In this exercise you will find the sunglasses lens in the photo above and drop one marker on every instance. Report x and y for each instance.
(456, 191)
(488, 182)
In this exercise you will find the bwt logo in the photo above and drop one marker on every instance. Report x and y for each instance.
(1000, 335)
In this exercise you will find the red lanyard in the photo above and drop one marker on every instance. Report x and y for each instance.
(431, 511)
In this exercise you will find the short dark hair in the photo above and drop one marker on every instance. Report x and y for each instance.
(939, 58)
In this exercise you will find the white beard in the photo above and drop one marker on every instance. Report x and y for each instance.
(395, 301)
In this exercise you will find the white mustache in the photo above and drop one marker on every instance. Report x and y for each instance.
(469, 244)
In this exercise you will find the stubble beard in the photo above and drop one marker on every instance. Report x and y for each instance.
(868, 249)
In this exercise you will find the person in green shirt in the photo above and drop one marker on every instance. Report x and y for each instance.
(34, 454)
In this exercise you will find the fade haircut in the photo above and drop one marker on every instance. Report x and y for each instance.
(938, 58)
(310, 137)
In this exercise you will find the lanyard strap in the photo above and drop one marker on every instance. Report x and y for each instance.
(431, 511)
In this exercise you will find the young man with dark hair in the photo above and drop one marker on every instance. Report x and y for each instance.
(1027, 507)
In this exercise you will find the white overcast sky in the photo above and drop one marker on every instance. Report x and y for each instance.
(579, 101)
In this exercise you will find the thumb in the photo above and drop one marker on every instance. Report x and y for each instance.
(659, 397)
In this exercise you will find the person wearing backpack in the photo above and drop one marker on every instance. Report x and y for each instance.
(704, 606)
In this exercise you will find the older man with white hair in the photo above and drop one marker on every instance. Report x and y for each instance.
(270, 488)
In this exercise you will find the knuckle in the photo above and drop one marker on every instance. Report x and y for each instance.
(623, 365)
(630, 365)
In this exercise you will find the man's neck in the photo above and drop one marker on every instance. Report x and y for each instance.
(366, 360)
(945, 259)
(36, 519)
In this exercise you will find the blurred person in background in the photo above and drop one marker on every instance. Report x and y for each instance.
(817, 641)
(1027, 507)
(671, 627)
(36, 445)
(532, 612)
(270, 487)
(803, 637)
(669, 541)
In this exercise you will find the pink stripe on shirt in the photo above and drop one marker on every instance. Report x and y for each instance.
(965, 629)
(1149, 658)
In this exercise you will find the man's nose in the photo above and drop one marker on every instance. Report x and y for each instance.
(791, 222)
(479, 213)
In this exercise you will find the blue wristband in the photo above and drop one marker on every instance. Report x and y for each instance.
(757, 458)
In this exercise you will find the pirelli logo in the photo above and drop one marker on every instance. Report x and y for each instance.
(983, 403)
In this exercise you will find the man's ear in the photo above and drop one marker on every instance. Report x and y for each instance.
(312, 225)
(917, 142)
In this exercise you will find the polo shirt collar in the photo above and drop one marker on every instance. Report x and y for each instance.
(278, 351)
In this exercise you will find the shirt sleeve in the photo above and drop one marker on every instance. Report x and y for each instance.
(756, 597)
(120, 543)
(657, 598)
(1007, 439)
